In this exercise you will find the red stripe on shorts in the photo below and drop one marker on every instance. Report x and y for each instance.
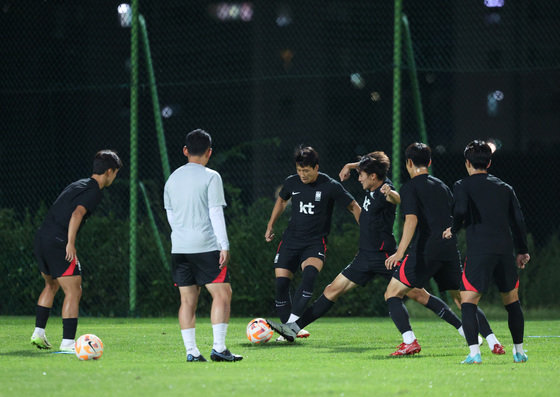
(325, 245)
(517, 284)
(402, 275)
(468, 286)
(70, 270)
(222, 276)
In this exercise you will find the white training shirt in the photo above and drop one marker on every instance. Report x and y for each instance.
(189, 193)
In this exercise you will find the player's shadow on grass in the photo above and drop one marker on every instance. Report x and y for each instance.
(25, 353)
(346, 349)
(271, 345)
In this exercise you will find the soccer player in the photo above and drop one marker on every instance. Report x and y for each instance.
(427, 207)
(194, 201)
(304, 244)
(375, 245)
(55, 248)
(490, 211)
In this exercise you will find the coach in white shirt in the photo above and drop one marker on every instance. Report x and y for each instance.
(194, 201)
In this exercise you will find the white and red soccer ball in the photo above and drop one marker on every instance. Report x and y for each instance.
(89, 347)
(258, 331)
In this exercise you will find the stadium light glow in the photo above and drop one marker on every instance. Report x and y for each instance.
(357, 80)
(494, 3)
(232, 11)
(125, 15)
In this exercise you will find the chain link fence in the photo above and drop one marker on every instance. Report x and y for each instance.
(262, 77)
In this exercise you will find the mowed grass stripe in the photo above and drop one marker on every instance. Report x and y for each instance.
(343, 357)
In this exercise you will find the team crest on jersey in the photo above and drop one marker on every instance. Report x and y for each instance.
(317, 196)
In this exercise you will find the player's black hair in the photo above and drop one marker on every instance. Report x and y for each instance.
(197, 142)
(105, 160)
(479, 153)
(306, 156)
(375, 163)
(419, 153)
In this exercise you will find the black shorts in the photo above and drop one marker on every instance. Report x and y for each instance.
(50, 251)
(479, 269)
(291, 255)
(415, 272)
(198, 269)
(366, 265)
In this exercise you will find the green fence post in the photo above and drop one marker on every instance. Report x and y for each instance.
(133, 156)
(397, 63)
(152, 219)
(417, 99)
(155, 99)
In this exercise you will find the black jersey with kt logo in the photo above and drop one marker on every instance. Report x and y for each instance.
(376, 222)
(312, 205)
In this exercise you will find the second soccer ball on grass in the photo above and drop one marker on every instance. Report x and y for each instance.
(258, 331)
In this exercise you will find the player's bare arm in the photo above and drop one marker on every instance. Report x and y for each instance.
(278, 210)
(410, 223)
(356, 210)
(344, 173)
(391, 195)
(73, 226)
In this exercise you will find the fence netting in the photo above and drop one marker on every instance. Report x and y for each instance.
(263, 77)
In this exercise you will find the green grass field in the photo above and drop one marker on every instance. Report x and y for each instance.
(343, 357)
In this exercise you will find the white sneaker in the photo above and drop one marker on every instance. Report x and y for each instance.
(68, 349)
(303, 334)
(280, 339)
(40, 341)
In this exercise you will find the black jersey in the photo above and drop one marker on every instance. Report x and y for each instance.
(376, 222)
(85, 192)
(490, 211)
(312, 206)
(431, 201)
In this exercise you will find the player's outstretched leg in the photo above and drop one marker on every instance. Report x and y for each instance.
(283, 329)
(305, 290)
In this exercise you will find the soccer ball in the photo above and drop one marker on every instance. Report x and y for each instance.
(89, 347)
(258, 331)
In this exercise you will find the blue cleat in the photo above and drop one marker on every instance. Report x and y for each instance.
(472, 360)
(191, 358)
(520, 358)
(226, 355)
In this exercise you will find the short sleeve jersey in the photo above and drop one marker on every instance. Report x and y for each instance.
(84, 192)
(312, 206)
(376, 222)
(490, 211)
(189, 193)
(431, 201)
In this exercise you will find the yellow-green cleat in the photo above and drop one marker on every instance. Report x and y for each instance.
(40, 341)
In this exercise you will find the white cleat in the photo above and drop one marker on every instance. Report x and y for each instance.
(303, 334)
